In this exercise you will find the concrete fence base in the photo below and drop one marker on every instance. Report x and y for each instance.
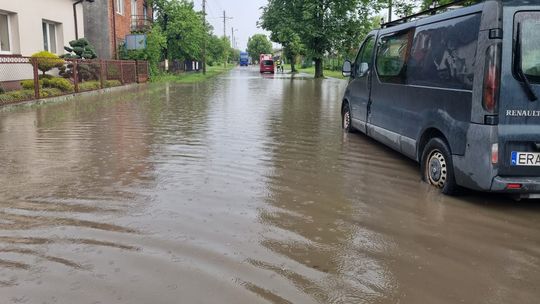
(64, 98)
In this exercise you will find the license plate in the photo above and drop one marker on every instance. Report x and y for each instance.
(525, 159)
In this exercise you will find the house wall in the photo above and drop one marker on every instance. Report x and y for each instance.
(99, 24)
(26, 17)
(123, 22)
(26, 34)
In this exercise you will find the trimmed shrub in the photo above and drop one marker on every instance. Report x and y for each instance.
(50, 92)
(80, 49)
(49, 82)
(85, 71)
(2, 91)
(19, 95)
(47, 61)
(62, 84)
(112, 83)
(28, 84)
(89, 85)
(45, 76)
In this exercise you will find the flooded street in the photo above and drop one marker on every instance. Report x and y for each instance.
(243, 189)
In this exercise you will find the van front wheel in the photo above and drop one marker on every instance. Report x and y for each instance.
(346, 119)
(437, 167)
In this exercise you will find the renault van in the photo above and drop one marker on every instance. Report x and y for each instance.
(456, 91)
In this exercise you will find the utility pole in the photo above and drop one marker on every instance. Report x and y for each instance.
(204, 39)
(232, 37)
(225, 18)
(389, 10)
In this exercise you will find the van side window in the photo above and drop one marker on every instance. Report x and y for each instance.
(443, 54)
(364, 56)
(530, 44)
(392, 56)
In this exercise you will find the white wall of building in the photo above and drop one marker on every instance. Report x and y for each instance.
(26, 18)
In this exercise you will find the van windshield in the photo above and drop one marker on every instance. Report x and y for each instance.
(268, 62)
(530, 46)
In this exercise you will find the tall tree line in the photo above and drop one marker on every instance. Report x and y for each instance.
(319, 28)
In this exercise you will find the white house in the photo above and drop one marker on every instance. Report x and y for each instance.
(30, 26)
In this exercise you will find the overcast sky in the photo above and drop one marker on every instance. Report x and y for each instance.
(245, 14)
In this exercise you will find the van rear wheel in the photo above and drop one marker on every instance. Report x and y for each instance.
(437, 168)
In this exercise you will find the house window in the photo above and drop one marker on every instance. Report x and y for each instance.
(133, 7)
(49, 36)
(5, 39)
(119, 6)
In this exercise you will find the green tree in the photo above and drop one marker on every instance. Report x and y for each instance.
(278, 18)
(227, 50)
(325, 26)
(183, 28)
(293, 47)
(215, 51)
(429, 3)
(156, 43)
(258, 44)
(235, 55)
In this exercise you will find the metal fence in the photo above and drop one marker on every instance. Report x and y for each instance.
(177, 66)
(26, 78)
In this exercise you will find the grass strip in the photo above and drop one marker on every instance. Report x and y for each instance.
(311, 71)
(193, 77)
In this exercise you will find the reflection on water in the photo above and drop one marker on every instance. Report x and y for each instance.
(240, 190)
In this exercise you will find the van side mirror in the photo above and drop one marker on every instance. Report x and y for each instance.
(346, 70)
(363, 69)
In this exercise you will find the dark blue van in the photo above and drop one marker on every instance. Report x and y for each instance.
(456, 91)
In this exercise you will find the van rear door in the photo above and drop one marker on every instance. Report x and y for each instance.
(519, 108)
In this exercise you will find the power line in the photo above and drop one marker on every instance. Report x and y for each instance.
(218, 5)
(212, 12)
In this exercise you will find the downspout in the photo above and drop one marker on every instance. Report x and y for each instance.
(75, 18)
(114, 30)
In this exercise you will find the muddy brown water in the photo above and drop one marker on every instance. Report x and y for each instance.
(242, 189)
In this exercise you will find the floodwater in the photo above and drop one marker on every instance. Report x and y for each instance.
(242, 189)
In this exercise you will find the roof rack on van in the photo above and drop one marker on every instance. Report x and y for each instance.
(431, 11)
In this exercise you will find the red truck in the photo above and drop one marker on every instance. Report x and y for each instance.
(266, 63)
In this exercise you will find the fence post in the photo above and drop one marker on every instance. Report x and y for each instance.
(121, 73)
(75, 76)
(101, 80)
(137, 71)
(36, 77)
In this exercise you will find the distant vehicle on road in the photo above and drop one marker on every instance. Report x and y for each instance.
(266, 63)
(244, 59)
(432, 89)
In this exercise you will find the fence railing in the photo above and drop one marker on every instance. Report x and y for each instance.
(141, 23)
(26, 78)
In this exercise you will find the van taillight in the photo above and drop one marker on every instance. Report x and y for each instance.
(494, 153)
(492, 78)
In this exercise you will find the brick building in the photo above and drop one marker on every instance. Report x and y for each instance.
(108, 22)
